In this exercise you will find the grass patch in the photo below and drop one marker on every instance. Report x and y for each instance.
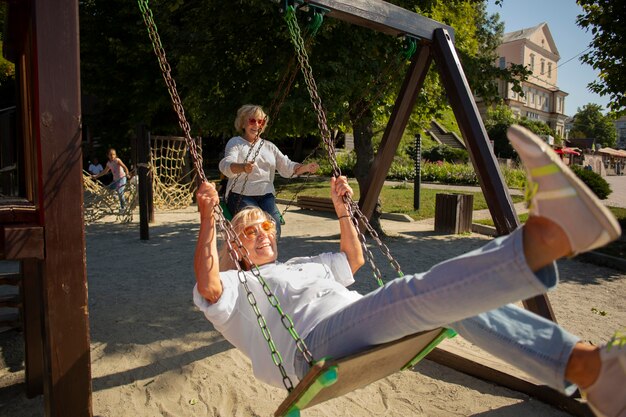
(394, 199)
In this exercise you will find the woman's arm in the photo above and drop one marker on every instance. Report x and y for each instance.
(230, 165)
(349, 241)
(304, 168)
(206, 264)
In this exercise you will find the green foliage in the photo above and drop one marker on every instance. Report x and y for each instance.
(445, 153)
(498, 121)
(589, 122)
(605, 20)
(594, 181)
(345, 161)
(447, 173)
(513, 177)
(7, 81)
(225, 54)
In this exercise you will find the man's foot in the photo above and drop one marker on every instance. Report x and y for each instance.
(607, 395)
(556, 193)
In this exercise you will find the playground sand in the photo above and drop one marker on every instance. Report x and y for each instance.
(154, 354)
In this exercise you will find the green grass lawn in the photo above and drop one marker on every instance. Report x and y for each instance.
(394, 199)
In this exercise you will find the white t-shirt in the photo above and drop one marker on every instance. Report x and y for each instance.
(261, 180)
(308, 289)
(95, 169)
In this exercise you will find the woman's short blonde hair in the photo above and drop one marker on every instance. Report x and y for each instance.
(249, 111)
(245, 217)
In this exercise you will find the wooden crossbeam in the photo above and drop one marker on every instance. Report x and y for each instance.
(382, 17)
(21, 242)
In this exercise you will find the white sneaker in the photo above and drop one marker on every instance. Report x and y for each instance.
(607, 396)
(556, 193)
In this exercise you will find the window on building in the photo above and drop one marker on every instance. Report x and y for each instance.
(532, 62)
(543, 66)
(502, 63)
(549, 69)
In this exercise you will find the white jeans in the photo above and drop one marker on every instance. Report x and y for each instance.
(470, 294)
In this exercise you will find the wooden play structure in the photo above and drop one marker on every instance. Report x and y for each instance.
(41, 220)
(42, 226)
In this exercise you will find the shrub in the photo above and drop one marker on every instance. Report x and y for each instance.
(402, 168)
(594, 181)
(514, 177)
(448, 173)
(445, 153)
(345, 161)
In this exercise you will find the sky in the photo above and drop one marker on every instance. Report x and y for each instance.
(570, 39)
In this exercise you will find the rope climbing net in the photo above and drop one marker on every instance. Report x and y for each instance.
(173, 183)
(173, 178)
(101, 200)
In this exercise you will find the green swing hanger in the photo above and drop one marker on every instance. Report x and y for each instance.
(314, 13)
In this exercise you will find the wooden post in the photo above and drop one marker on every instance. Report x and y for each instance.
(32, 314)
(395, 128)
(484, 161)
(143, 160)
(56, 123)
(417, 180)
(150, 180)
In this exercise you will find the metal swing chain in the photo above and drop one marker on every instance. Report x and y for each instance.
(356, 214)
(166, 70)
(235, 246)
(245, 180)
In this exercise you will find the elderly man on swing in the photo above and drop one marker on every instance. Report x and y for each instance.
(470, 293)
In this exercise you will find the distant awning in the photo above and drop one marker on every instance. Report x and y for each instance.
(567, 151)
(613, 152)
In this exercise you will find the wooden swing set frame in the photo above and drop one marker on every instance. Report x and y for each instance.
(42, 41)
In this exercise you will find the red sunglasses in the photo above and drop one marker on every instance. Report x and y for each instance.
(252, 232)
(261, 122)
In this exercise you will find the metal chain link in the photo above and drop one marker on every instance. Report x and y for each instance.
(353, 208)
(231, 238)
(166, 70)
(245, 180)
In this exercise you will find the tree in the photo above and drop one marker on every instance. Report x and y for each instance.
(224, 54)
(499, 119)
(605, 20)
(589, 122)
(7, 70)
(120, 78)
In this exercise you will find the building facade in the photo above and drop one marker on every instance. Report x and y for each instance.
(535, 49)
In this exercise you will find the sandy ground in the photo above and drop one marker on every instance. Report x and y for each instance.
(154, 354)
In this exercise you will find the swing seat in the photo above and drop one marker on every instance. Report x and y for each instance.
(329, 378)
(225, 210)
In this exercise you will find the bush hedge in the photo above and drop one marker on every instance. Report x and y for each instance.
(446, 154)
(594, 181)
